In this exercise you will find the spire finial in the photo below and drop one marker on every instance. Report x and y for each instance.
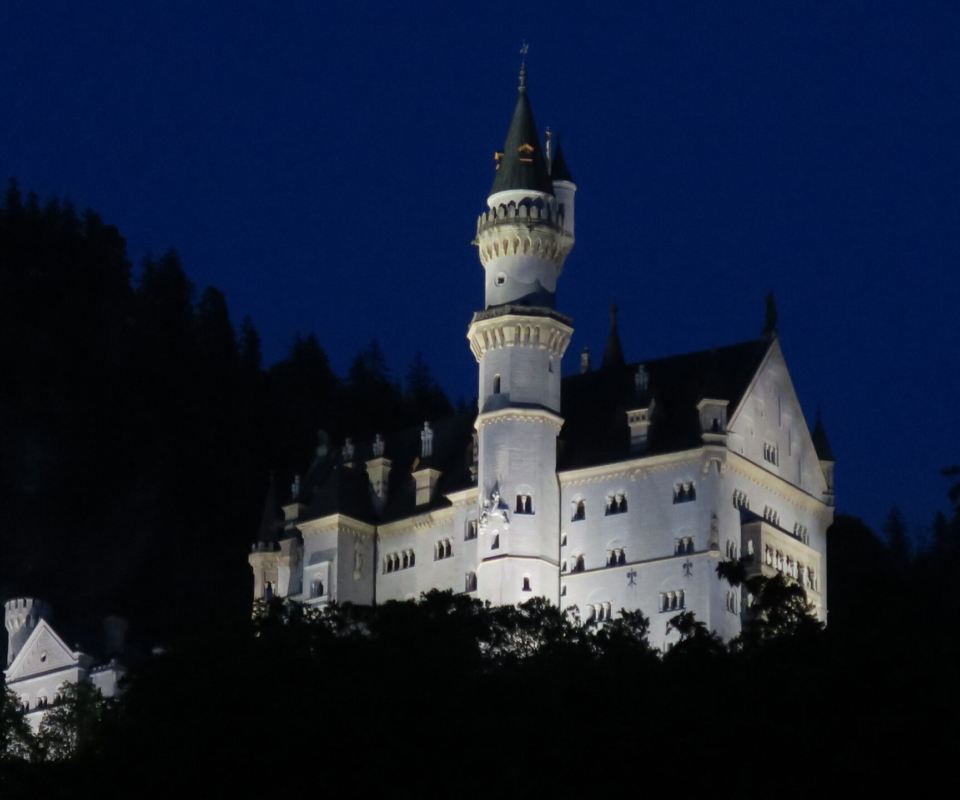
(770, 325)
(613, 355)
(523, 66)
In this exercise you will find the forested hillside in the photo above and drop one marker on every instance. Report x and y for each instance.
(138, 427)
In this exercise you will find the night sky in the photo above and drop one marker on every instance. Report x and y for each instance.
(324, 163)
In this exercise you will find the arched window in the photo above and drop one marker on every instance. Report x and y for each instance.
(579, 511)
(447, 549)
(470, 582)
(622, 558)
(316, 588)
(495, 544)
(413, 557)
(524, 504)
(406, 560)
(526, 584)
(622, 504)
(268, 591)
(496, 384)
(580, 564)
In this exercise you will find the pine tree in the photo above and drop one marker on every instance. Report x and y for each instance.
(898, 542)
(251, 356)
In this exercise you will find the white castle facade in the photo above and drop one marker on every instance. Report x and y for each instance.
(620, 487)
(40, 663)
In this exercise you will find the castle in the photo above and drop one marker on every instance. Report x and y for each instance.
(618, 487)
(40, 663)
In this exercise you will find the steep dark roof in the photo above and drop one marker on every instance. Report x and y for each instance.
(820, 442)
(271, 521)
(527, 170)
(595, 431)
(331, 487)
(559, 170)
(594, 404)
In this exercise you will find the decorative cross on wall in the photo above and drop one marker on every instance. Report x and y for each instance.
(687, 568)
(632, 577)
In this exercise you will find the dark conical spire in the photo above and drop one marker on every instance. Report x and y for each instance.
(558, 169)
(820, 442)
(613, 355)
(522, 165)
(270, 522)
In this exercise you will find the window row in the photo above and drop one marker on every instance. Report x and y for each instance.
(683, 546)
(616, 557)
(684, 493)
(397, 561)
(733, 605)
(671, 601)
(616, 504)
(740, 500)
(771, 453)
(801, 532)
(578, 565)
(442, 549)
(806, 576)
(598, 612)
(317, 589)
(732, 551)
(771, 515)
(524, 504)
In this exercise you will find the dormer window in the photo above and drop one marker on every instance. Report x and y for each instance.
(500, 279)
(526, 153)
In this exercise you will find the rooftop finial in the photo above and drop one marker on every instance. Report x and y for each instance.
(523, 66)
(770, 324)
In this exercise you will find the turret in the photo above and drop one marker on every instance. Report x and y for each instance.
(21, 617)
(519, 341)
(522, 237)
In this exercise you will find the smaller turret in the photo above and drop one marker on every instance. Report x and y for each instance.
(21, 617)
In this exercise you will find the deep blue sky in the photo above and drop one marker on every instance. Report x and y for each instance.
(323, 164)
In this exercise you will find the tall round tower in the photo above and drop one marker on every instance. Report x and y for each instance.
(519, 340)
(20, 618)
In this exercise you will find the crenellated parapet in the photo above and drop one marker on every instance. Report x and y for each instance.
(534, 226)
(492, 332)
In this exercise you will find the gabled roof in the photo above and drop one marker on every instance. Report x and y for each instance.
(522, 165)
(46, 644)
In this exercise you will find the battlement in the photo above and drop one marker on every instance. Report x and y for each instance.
(21, 609)
(529, 211)
(264, 547)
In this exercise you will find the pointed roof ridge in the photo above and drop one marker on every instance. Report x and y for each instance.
(820, 442)
(522, 164)
(613, 354)
(558, 169)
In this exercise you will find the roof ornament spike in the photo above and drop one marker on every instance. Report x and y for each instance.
(524, 49)
(770, 324)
